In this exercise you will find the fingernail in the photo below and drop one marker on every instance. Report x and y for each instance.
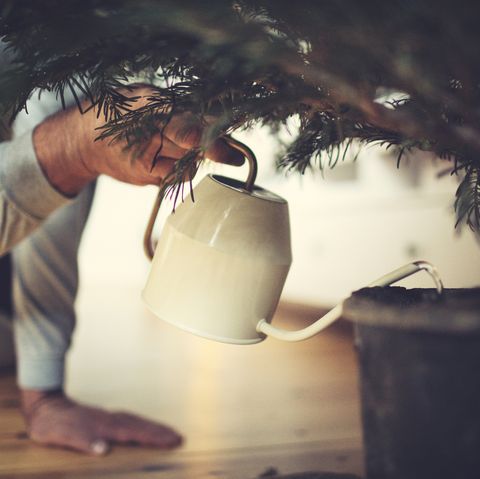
(99, 447)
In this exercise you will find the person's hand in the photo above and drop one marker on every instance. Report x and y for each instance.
(70, 157)
(52, 419)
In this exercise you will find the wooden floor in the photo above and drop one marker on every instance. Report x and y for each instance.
(243, 409)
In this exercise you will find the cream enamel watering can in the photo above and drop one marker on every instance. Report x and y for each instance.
(221, 262)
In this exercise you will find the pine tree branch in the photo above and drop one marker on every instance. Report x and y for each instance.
(325, 62)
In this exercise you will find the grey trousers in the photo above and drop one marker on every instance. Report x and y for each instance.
(45, 283)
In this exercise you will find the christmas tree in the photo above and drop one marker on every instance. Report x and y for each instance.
(401, 73)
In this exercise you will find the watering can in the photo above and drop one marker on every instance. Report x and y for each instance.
(221, 261)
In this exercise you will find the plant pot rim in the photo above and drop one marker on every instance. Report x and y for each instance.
(457, 311)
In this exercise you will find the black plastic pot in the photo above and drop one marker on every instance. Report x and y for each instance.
(419, 361)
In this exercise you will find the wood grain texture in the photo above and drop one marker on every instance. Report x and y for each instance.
(243, 409)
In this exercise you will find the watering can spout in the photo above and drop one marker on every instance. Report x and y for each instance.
(299, 335)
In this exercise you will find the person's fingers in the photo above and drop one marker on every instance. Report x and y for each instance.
(127, 428)
(60, 422)
(162, 168)
(166, 148)
(159, 164)
(70, 431)
(184, 130)
(77, 442)
(157, 161)
(222, 152)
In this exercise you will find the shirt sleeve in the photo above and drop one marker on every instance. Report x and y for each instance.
(26, 196)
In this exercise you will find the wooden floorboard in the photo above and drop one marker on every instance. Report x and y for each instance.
(243, 410)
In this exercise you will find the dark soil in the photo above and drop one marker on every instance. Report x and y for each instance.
(311, 475)
(394, 295)
(457, 310)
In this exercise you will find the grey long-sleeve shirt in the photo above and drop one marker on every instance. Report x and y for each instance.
(26, 196)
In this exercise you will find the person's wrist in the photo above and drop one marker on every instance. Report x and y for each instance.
(32, 399)
(63, 145)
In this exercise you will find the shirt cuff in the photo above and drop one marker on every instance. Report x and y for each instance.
(44, 374)
(24, 181)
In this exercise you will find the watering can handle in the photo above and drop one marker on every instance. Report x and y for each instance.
(386, 280)
(252, 175)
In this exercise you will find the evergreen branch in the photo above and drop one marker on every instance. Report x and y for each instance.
(244, 62)
(467, 203)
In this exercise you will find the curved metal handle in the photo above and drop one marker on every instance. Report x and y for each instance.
(147, 237)
(249, 184)
(251, 158)
(336, 312)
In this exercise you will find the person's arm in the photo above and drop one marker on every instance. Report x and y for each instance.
(40, 171)
(26, 197)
